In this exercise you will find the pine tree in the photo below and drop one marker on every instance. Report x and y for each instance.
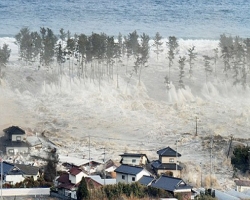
(182, 72)
(215, 58)
(4, 57)
(82, 190)
(158, 44)
(192, 57)
(172, 45)
(208, 68)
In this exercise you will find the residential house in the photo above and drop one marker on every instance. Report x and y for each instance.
(173, 185)
(129, 174)
(14, 141)
(167, 162)
(146, 180)
(14, 173)
(68, 182)
(95, 181)
(135, 159)
(242, 185)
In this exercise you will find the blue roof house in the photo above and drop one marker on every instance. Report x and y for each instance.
(130, 174)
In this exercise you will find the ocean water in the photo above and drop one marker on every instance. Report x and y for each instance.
(193, 19)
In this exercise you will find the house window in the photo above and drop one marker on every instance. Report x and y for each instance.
(18, 138)
(133, 160)
(171, 160)
(123, 177)
(133, 178)
(11, 150)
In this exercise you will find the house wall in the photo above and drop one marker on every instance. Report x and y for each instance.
(34, 176)
(242, 188)
(15, 150)
(128, 178)
(13, 179)
(17, 137)
(164, 159)
(175, 173)
(76, 179)
(129, 160)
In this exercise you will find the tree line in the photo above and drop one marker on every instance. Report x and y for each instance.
(99, 56)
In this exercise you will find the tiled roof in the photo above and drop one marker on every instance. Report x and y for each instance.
(132, 155)
(169, 183)
(74, 171)
(64, 178)
(14, 130)
(127, 169)
(169, 152)
(242, 183)
(165, 166)
(6, 167)
(28, 169)
(146, 180)
(16, 144)
(101, 181)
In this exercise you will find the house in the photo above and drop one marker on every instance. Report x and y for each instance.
(14, 141)
(95, 181)
(146, 180)
(88, 165)
(173, 185)
(242, 185)
(135, 159)
(167, 162)
(129, 174)
(68, 182)
(14, 173)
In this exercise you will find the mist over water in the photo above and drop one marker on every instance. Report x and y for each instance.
(184, 19)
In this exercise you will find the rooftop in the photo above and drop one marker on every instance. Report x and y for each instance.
(169, 152)
(165, 166)
(169, 183)
(14, 130)
(127, 169)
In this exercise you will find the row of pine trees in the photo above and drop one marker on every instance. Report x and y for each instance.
(97, 56)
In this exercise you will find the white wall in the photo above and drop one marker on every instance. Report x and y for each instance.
(76, 179)
(13, 179)
(14, 137)
(128, 160)
(128, 177)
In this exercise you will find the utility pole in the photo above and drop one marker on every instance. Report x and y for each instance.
(176, 166)
(201, 173)
(1, 174)
(196, 127)
(211, 155)
(89, 155)
(104, 166)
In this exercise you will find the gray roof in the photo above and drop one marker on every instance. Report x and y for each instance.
(132, 155)
(127, 169)
(28, 169)
(16, 144)
(170, 184)
(165, 166)
(14, 130)
(146, 180)
(168, 152)
(14, 169)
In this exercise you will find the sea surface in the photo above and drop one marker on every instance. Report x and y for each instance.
(187, 19)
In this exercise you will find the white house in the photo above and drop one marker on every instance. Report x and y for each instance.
(129, 174)
(75, 175)
(14, 140)
(167, 162)
(135, 159)
(242, 185)
(15, 173)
